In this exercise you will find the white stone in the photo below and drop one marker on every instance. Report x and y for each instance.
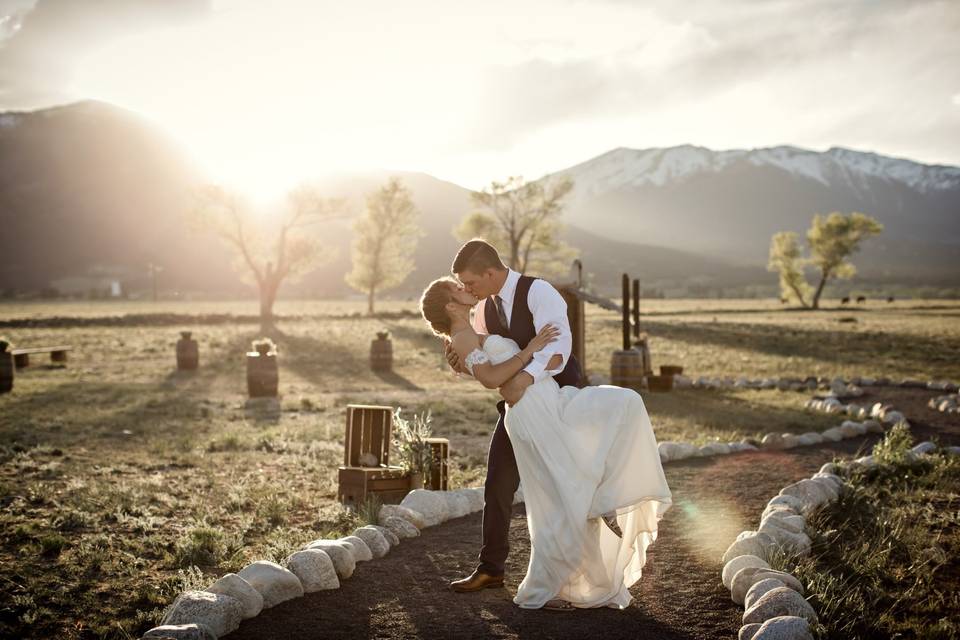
(397, 511)
(791, 542)
(361, 552)
(748, 576)
(780, 601)
(809, 438)
(378, 545)
(220, 613)
(181, 632)
(341, 554)
(747, 631)
(828, 467)
(791, 523)
(458, 505)
(833, 434)
(789, 501)
(402, 528)
(893, 417)
(812, 494)
(752, 543)
(740, 562)
(924, 448)
(872, 426)
(429, 503)
(391, 537)
(475, 497)
(236, 587)
(954, 451)
(784, 628)
(772, 441)
(315, 570)
(867, 461)
(274, 583)
(759, 588)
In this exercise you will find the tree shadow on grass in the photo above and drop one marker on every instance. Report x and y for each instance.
(724, 412)
(171, 406)
(863, 349)
(327, 364)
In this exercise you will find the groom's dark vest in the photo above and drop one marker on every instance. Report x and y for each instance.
(522, 330)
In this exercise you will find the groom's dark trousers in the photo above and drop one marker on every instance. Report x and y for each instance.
(502, 475)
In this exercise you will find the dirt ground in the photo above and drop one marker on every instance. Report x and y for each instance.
(405, 594)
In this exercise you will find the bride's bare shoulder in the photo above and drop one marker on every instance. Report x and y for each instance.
(465, 341)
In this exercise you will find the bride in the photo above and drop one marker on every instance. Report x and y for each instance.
(584, 456)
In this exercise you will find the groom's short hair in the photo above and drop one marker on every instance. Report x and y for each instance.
(477, 256)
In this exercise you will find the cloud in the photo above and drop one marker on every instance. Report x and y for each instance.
(44, 41)
(857, 73)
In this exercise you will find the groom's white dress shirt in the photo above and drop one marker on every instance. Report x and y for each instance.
(548, 307)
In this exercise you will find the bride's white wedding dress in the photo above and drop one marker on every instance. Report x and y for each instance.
(582, 453)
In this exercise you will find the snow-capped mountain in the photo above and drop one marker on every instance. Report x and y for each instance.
(729, 203)
(626, 168)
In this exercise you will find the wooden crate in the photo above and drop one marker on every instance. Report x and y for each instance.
(439, 478)
(368, 431)
(388, 484)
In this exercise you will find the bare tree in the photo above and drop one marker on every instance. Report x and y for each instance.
(269, 253)
(522, 219)
(385, 240)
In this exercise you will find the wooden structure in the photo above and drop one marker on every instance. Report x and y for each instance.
(58, 355)
(6, 369)
(659, 383)
(577, 319)
(263, 377)
(439, 475)
(381, 352)
(368, 431)
(626, 369)
(188, 352)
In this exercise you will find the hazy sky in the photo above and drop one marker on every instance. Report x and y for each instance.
(268, 93)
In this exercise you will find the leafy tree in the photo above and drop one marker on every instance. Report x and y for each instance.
(832, 239)
(385, 241)
(268, 252)
(786, 258)
(522, 219)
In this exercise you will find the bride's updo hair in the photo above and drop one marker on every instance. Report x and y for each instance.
(433, 305)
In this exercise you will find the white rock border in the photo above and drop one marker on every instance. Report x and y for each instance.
(838, 384)
(449, 504)
(782, 531)
(949, 403)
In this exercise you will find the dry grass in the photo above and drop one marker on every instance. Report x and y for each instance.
(123, 482)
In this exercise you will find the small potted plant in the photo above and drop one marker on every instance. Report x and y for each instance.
(414, 453)
(264, 346)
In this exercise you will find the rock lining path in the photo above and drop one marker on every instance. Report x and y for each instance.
(405, 594)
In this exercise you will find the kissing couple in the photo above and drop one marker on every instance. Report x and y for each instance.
(587, 458)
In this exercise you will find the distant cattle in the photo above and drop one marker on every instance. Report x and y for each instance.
(846, 300)
(890, 299)
(861, 299)
(783, 301)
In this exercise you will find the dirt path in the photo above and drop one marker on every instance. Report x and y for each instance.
(405, 594)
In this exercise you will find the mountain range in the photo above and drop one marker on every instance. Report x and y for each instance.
(90, 188)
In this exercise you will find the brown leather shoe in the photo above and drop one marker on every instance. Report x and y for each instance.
(477, 581)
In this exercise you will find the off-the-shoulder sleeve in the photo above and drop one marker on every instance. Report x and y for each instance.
(475, 357)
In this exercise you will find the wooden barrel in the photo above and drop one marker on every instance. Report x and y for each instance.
(188, 352)
(626, 369)
(670, 370)
(6, 372)
(262, 375)
(381, 353)
(660, 383)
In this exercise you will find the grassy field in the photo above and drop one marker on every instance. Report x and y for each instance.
(123, 482)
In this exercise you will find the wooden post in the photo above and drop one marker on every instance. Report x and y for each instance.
(577, 319)
(381, 352)
(439, 474)
(262, 373)
(626, 312)
(188, 352)
(636, 309)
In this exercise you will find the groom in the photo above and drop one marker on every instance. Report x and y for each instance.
(516, 307)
